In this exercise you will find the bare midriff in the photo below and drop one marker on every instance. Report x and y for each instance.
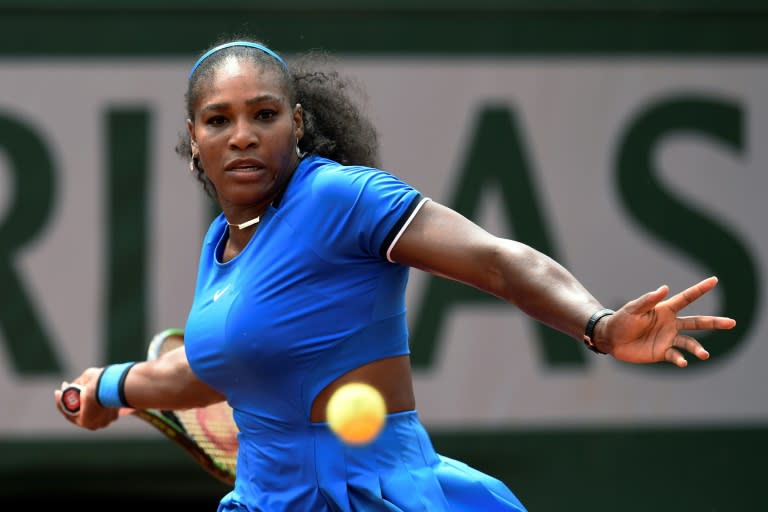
(391, 376)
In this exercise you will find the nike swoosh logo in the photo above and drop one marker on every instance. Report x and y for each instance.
(219, 293)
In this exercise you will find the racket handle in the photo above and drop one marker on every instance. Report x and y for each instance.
(70, 399)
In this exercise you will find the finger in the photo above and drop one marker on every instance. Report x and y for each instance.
(647, 302)
(672, 355)
(686, 297)
(691, 345)
(695, 323)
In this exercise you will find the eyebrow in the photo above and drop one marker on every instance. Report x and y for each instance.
(251, 101)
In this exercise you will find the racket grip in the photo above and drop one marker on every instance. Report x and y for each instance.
(70, 399)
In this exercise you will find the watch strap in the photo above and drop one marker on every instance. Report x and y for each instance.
(590, 329)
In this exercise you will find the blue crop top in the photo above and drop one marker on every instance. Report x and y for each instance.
(311, 297)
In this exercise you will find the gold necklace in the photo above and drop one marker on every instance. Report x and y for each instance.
(245, 224)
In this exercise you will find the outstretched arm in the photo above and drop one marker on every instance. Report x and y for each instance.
(443, 242)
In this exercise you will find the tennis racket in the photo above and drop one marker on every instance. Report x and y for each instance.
(208, 434)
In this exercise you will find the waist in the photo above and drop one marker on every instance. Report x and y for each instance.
(391, 376)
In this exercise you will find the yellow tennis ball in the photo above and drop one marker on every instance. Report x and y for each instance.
(356, 413)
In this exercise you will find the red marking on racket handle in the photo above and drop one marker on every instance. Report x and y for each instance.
(70, 399)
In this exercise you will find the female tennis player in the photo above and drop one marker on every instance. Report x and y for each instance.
(301, 288)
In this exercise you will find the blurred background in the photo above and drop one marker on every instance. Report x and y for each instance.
(623, 138)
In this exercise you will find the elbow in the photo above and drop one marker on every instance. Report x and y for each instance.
(514, 269)
(498, 263)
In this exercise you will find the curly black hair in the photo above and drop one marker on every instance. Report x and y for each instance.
(335, 125)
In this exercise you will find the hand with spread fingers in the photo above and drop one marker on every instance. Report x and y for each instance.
(649, 330)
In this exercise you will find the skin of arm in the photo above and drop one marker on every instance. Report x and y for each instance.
(445, 243)
(168, 383)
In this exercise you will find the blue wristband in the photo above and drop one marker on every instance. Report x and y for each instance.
(110, 388)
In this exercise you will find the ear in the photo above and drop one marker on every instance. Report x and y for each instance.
(298, 121)
(192, 140)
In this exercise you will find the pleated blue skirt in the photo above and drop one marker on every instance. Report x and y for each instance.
(292, 469)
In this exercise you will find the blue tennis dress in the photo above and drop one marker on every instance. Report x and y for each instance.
(312, 296)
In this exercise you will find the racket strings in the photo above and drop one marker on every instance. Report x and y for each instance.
(214, 430)
(212, 427)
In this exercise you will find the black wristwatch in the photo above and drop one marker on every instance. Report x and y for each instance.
(590, 329)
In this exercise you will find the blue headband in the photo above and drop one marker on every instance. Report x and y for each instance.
(238, 43)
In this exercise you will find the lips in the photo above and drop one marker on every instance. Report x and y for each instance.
(244, 165)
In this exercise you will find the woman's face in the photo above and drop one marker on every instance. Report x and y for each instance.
(245, 133)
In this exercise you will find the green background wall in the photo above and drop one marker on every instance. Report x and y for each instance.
(597, 469)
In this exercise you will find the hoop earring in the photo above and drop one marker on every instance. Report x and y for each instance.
(299, 153)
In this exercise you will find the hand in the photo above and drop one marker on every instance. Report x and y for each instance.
(92, 415)
(647, 329)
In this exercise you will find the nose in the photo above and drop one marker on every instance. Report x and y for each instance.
(243, 135)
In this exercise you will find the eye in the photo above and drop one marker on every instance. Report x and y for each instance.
(217, 120)
(265, 114)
